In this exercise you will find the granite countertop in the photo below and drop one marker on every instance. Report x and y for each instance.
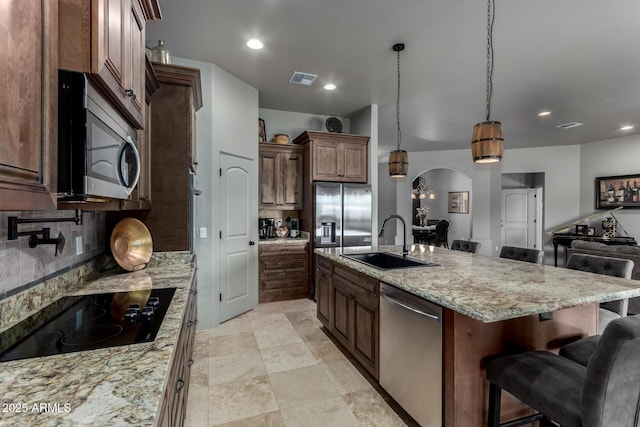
(492, 289)
(117, 386)
(303, 238)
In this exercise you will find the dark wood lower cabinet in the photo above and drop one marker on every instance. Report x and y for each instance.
(348, 307)
(174, 402)
(283, 271)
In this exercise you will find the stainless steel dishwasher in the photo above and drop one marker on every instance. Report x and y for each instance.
(411, 353)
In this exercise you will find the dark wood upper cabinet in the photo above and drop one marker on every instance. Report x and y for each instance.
(173, 109)
(106, 38)
(335, 156)
(28, 105)
(281, 180)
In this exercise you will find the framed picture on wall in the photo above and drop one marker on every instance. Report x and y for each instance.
(459, 202)
(614, 191)
(262, 132)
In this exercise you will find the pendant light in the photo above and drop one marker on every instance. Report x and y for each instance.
(487, 144)
(398, 159)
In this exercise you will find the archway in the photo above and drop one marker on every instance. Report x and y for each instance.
(445, 184)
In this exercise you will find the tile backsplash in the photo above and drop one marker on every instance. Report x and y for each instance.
(21, 265)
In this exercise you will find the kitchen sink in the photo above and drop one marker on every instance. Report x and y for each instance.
(388, 261)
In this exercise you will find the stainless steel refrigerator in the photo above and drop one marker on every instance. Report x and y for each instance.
(342, 215)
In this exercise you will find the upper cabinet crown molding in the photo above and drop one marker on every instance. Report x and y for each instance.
(186, 76)
(28, 127)
(151, 9)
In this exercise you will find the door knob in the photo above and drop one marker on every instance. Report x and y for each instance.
(251, 243)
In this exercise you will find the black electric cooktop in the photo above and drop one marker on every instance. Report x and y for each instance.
(88, 322)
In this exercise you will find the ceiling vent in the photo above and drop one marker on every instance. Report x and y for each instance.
(302, 78)
(570, 125)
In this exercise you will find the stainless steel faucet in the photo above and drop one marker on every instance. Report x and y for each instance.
(405, 248)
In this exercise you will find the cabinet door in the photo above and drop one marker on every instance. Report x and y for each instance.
(28, 126)
(325, 161)
(269, 178)
(323, 296)
(365, 335)
(342, 311)
(291, 180)
(353, 162)
(117, 49)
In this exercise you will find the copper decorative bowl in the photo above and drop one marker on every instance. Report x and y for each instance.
(131, 244)
(281, 138)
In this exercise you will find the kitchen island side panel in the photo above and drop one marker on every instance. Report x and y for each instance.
(468, 343)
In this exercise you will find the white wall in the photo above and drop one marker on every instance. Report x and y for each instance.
(481, 179)
(227, 122)
(442, 181)
(561, 166)
(293, 124)
(620, 156)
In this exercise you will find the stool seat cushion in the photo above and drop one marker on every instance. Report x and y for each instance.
(542, 380)
(580, 351)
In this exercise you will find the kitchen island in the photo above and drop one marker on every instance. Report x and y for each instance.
(490, 305)
(116, 386)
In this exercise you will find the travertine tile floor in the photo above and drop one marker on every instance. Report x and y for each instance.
(273, 366)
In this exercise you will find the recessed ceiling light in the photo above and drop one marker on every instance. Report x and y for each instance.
(330, 86)
(626, 127)
(544, 113)
(255, 44)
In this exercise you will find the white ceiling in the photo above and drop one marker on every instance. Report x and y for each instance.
(579, 59)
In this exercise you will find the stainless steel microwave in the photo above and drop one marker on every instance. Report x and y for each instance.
(97, 155)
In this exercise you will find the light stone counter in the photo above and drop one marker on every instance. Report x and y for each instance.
(117, 386)
(491, 289)
(303, 238)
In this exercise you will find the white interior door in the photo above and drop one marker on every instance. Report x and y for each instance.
(520, 225)
(238, 236)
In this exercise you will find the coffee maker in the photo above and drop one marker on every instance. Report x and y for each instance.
(266, 228)
(294, 227)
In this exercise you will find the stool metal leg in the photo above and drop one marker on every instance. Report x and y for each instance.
(494, 405)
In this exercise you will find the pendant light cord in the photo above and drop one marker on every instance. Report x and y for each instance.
(491, 14)
(398, 103)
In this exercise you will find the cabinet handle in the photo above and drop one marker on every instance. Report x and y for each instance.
(190, 362)
(251, 243)
(130, 93)
(179, 386)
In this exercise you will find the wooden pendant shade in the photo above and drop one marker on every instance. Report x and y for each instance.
(487, 144)
(398, 164)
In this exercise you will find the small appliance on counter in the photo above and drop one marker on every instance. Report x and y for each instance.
(266, 228)
(294, 230)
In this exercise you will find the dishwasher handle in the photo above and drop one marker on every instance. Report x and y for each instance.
(384, 293)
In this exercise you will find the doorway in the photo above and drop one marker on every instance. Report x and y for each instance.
(522, 213)
(440, 183)
(238, 261)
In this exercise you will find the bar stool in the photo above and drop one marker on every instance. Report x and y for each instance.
(465, 246)
(605, 393)
(534, 256)
(581, 350)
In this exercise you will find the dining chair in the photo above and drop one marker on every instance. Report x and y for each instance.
(534, 256)
(441, 237)
(580, 351)
(465, 246)
(604, 393)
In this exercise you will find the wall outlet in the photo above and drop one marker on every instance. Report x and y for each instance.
(79, 245)
(203, 232)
